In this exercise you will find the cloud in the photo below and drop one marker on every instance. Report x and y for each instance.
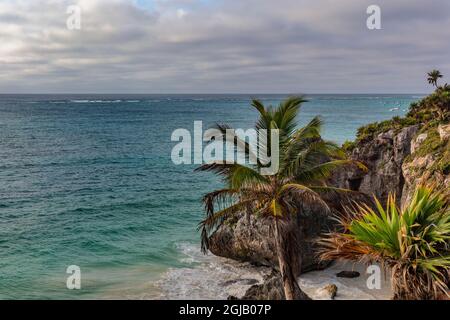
(203, 46)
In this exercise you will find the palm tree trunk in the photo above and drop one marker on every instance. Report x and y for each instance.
(292, 290)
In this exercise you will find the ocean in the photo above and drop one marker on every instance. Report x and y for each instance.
(88, 180)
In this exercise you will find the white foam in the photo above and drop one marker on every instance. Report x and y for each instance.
(213, 278)
(210, 277)
(95, 101)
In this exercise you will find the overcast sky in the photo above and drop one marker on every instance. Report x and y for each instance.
(222, 46)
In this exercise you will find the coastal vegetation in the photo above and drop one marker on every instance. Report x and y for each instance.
(413, 242)
(425, 151)
(433, 77)
(306, 161)
(429, 112)
(404, 162)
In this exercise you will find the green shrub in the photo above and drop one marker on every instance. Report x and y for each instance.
(348, 146)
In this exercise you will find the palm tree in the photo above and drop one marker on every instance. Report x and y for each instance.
(413, 242)
(433, 77)
(305, 161)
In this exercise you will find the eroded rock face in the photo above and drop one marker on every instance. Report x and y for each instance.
(396, 164)
(384, 157)
(427, 168)
(417, 142)
(270, 289)
(251, 239)
(444, 132)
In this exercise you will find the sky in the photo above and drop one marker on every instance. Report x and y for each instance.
(222, 46)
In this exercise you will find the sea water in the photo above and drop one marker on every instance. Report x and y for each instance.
(87, 180)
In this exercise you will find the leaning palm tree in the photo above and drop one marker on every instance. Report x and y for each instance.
(305, 160)
(413, 242)
(433, 77)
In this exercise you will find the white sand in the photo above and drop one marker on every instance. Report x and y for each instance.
(348, 289)
(211, 277)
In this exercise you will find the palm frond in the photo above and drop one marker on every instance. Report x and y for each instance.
(237, 142)
(325, 170)
(301, 191)
(215, 218)
(304, 155)
(286, 113)
(235, 175)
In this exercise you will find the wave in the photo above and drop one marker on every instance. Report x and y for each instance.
(104, 101)
(211, 277)
(95, 101)
(58, 102)
(207, 276)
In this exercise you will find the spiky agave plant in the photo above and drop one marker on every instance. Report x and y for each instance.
(275, 198)
(412, 242)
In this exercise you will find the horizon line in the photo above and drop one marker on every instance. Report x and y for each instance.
(227, 93)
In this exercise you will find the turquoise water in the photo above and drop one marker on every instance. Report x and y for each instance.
(88, 181)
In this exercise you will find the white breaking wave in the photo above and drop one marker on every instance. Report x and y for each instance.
(210, 277)
(95, 101)
(216, 278)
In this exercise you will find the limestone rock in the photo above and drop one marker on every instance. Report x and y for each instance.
(416, 143)
(384, 157)
(444, 132)
(330, 291)
(251, 239)
(270, 289)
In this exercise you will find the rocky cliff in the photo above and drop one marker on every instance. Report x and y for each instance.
(429, 161)
(399, 160)
(384, 157)
(399, 153)
(248, 238)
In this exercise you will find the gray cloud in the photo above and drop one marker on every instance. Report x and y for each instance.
(203, 46)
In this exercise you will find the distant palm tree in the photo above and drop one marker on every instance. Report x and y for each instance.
(433, 77)
(305, 161)
(414, 242)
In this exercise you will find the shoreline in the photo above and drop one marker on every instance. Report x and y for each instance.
(216, 278)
